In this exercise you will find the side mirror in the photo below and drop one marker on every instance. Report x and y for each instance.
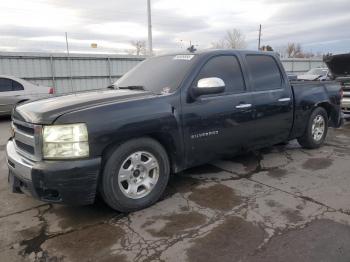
(208, 86)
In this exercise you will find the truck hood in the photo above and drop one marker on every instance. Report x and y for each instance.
(339, 65)
(46, 111)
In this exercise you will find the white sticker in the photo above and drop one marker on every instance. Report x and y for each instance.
(183, 57)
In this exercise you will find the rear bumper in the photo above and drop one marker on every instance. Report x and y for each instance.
(69, 182)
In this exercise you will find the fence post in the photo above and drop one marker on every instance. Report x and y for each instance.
(109, 70)
(53, 72)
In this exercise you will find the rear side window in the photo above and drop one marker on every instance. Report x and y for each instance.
(16, 86)
(228, 69)
(5, 85)
(265, 72)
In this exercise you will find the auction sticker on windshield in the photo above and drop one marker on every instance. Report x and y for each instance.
(183, 57)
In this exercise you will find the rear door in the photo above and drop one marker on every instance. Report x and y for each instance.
(217, 124)
(272, 100)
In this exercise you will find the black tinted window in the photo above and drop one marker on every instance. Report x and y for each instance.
(5, 85)
(228, 69)
(16, 86)
(265, 72)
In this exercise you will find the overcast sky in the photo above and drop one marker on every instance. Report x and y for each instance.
(39, 25)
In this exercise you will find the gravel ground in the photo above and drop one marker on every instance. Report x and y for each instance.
(278, 204)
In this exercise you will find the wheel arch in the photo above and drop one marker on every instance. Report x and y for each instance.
(332, 112)
(326, 106)
(165, 140)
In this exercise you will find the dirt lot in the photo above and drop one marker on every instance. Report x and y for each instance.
(279, 204)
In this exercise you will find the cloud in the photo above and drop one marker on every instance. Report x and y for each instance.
(40, 25)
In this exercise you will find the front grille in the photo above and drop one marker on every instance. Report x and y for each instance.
(346, 93)
(27, 138)
(25, 129)
(29, 149)
(346, 88)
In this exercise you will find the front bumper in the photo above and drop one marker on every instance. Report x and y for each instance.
(71, 182)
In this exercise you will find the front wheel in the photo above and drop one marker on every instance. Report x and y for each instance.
(316, 130)
(135, 175)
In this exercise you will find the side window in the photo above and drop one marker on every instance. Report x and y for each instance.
(265, 72)
(228, 69)
(16, 86)
(5, 85)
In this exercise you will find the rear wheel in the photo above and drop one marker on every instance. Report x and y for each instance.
(316, 130)
(135, 175)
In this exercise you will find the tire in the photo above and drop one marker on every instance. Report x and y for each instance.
(130, 180)
(310, 139)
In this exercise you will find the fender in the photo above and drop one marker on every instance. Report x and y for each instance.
(110, 125)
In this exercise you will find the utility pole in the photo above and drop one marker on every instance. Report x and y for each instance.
(69, 63)
(259, 41)
(67, 46)
(150, 48)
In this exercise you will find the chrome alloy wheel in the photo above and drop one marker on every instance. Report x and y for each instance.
(138, 174)
(318, 128)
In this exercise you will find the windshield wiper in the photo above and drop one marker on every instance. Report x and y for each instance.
(132, 87)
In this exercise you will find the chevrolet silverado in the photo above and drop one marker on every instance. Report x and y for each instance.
(167, 114)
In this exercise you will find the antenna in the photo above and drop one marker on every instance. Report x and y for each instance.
(150, 47)
(69, 63)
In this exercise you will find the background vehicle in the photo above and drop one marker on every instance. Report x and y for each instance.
(339, 66)
(14, 90)
(167, 114)
(313, 74)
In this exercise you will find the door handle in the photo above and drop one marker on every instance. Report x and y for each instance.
(285, 99)
(244, 106)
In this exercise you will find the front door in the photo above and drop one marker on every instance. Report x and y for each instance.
(219, 124)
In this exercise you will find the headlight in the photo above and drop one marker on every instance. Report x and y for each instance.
(65, 141)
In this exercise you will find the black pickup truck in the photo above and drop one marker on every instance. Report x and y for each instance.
(168, 114)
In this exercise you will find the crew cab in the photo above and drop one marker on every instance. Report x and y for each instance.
(167, 114)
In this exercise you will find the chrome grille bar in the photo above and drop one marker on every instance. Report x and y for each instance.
(27, 138)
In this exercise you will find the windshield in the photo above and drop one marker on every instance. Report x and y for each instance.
(317, 71)
(160, 75)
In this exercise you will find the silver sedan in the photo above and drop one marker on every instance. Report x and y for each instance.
(15, 90)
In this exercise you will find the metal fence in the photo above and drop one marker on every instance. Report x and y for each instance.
(84, 72)
(301, 65)
(67, 74)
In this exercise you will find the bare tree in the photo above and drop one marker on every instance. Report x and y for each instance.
(266, 48)
(234, 39)
(139, 47)
(294, 50)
